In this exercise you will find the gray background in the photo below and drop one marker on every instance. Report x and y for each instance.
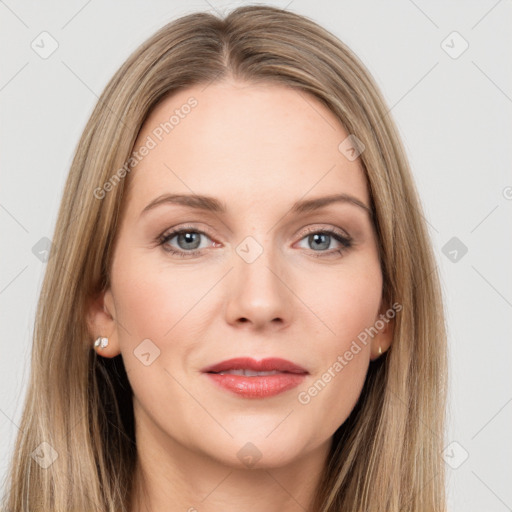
(453, 110)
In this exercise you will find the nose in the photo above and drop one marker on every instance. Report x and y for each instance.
(258, 290)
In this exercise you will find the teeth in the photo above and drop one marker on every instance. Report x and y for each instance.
(248, 373)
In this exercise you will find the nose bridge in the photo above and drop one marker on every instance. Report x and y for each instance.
(257, 292)
(258, 262)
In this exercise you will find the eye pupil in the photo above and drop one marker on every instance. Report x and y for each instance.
(189, 239)
(315, 238)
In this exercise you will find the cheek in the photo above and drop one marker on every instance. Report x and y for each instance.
(348, 307)
(153, 298)
(160, 304)
(346, 300)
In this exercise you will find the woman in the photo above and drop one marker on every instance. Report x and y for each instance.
(296, 347)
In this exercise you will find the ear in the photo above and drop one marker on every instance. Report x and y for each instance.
(100, 316)
(385, 325)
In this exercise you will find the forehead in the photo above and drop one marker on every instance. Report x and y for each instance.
(245, 143)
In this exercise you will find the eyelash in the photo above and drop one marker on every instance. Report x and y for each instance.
(345, 241)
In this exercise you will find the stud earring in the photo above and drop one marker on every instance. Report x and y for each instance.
(101, 342)
(380, 350)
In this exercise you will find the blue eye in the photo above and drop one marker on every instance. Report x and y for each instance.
(322, 240)
(188, 240)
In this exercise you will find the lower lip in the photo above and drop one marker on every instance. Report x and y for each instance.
(257, 387)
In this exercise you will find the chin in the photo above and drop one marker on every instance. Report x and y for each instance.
(259, 452)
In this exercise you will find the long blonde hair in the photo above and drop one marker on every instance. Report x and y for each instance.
(387, 454)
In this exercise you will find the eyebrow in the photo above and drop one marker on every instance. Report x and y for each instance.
(212, 204)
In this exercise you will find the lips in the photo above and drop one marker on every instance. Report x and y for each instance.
(248, 378)
(273, 364)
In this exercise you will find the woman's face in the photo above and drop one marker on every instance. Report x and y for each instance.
(259, 279)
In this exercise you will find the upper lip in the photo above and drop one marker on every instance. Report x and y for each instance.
(248, 363)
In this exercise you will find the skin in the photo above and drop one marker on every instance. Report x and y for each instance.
(257, 148)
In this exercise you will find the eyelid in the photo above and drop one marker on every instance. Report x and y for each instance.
(185, 227)
(315, 229)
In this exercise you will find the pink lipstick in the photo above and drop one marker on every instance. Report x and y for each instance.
(249, 378)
